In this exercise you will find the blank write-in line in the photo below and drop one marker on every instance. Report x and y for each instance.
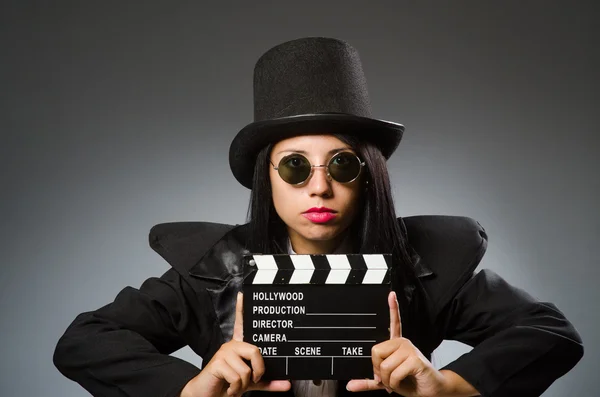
(341, 314)
(339, 327)
(333, 341)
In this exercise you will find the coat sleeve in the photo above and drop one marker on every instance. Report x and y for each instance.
(520, 345)
(123, 348)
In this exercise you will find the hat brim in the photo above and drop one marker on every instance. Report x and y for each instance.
(246, 145)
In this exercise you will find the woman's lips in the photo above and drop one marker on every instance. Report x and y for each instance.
(319, 217)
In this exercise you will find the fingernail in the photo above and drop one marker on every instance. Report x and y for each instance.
(388, 390)
(377, 378)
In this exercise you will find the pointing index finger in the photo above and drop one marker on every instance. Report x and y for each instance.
(238, 326)
(395, 321)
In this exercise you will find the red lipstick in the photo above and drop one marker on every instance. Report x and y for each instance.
(319, 209)
(319, 214)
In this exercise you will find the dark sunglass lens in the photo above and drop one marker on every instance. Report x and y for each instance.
(294, 169)
(344, 167)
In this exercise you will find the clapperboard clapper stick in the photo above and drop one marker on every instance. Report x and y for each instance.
(316, 316)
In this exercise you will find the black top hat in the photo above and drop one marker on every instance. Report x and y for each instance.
(312, 85)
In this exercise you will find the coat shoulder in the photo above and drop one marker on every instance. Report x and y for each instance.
(451, 247)
(182, 244)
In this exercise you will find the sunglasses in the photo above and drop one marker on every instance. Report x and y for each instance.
(343, 167)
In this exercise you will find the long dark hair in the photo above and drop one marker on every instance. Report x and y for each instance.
(375, 229)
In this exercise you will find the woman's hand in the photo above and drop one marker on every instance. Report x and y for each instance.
(400, 367)
(227, 374)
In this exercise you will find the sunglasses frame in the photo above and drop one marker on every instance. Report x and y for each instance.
(312, 167)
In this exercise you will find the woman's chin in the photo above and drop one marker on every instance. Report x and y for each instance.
(321, 233)
(317, 232)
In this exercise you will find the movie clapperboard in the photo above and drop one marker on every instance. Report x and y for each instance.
(316, 316)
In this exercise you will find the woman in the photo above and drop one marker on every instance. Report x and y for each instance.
(314, 159)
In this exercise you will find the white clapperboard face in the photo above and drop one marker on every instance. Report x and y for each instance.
(316, 316)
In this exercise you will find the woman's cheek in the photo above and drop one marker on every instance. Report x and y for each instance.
(284, 207)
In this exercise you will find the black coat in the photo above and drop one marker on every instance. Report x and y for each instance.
(520, 345)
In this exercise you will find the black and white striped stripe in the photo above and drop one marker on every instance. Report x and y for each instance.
(318, 269)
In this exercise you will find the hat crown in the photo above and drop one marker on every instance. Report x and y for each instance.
(309, 76)
(311, 85)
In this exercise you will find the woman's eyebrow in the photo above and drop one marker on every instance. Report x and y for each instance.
(305, 152)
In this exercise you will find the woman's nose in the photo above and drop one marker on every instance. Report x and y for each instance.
(320, 182)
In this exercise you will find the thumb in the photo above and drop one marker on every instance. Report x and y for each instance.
(364, 385)
(272, 385)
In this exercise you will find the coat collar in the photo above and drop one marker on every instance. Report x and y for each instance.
(229, 251)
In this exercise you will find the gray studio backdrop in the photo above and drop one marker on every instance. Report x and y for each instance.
(118, 115)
